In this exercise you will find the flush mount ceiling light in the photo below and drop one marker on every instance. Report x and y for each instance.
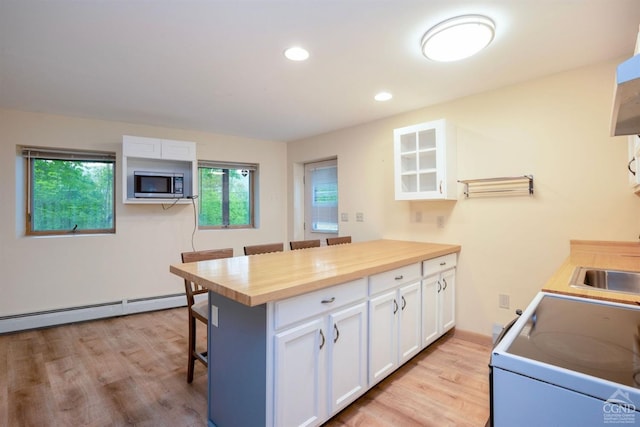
(458, 38)
(383, 96)
(296, 54)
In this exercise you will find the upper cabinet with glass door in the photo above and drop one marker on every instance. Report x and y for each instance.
(425, 161)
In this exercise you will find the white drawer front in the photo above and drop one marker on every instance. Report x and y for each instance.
(389, 279)
(300, 307)
(436, 265)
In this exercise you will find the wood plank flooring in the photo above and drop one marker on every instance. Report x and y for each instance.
(132, 371)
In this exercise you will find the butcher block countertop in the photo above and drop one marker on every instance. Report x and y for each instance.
(597, 254)
(257, 279)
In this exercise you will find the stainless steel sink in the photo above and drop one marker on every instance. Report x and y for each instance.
(606, 280)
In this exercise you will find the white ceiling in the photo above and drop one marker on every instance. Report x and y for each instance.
(217, 65)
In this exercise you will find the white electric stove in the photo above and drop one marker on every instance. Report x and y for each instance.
(568, 361)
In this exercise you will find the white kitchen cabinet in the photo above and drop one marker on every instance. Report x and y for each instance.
(157, 155)
(425, 161)
(155, 148)
(347, 356)
(394, 329)
(300, 374)
(319, 365)
(438, 297)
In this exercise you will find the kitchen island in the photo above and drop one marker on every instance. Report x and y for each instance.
(296, 336)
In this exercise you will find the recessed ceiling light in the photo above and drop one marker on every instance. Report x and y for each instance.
(296, 53)
(458, 38)
(383, 96)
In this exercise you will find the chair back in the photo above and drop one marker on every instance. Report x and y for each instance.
(338, 240)
(263, 249)
(191, 288)
(304, 244)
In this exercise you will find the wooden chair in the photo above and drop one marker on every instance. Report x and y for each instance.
(198, 310)
(304, 244)
(338, 240)
(263, 249)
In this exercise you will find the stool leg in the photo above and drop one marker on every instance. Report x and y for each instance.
(192, 346)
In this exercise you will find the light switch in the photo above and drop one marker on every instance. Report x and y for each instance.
(344, 217)
(359, 216)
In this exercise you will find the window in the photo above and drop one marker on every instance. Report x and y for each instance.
(321, 182)
(226, 194)
(69, 191)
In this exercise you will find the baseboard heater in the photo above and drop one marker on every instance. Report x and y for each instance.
(41, 319)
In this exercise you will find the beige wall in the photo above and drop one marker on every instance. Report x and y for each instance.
(56, 272)
(556, 128)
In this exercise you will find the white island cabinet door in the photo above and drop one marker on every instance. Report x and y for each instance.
(348, 356)
(410, 318)
(300, 386)
(383, 336)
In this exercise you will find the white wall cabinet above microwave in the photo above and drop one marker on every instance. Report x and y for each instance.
(154, 148)
(425, 161)
(159, 156)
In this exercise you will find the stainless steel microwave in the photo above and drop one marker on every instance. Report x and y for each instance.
(158, 184)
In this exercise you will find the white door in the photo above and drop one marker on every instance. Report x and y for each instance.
(430, 314)
(409, 337)
(448, 299)
(299, 378)
(321, 199)
(383, 336)
(348, 356)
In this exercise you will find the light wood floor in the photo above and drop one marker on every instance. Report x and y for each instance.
(131, 371)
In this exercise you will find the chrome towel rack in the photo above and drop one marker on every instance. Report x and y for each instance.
(506, 184)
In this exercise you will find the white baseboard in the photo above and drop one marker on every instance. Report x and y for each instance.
(43, 319)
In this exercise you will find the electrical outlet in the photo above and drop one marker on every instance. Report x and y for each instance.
(503, 301)
(418, 216)
(344, 217)
(214, 315)
(359, 216)
(440, 221)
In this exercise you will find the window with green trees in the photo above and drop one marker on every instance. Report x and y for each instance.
(69, 191)
(226, 194)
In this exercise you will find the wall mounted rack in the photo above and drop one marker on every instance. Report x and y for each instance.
(506, 185)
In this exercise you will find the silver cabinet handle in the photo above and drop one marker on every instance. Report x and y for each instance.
(400, 277)
(395, 306)
(404, 303)
(439, 286)
(328, 301)
(443, 263)
(323, 340)
(445, 284)
(337, 333)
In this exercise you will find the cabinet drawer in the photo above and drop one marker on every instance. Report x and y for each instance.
(389, 279)
(293, 309)
(436, 265)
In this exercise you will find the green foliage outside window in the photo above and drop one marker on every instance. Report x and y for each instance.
(72, 195)
(225, 197)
